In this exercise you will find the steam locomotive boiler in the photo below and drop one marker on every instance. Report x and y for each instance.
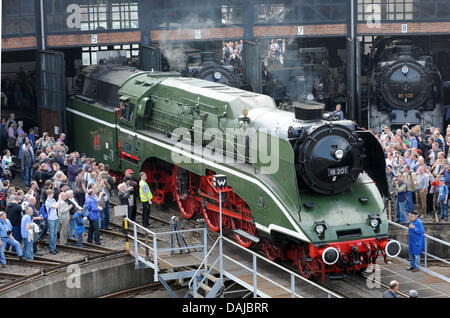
(406, 86)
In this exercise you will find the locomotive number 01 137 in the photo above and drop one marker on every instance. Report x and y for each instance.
(405, 95)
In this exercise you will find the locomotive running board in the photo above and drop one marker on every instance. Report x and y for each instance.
(246, 235)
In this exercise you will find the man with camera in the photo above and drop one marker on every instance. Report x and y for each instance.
(411, 185)
(7, 238)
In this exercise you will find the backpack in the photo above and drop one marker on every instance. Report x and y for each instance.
(43, 211)
(2, 201)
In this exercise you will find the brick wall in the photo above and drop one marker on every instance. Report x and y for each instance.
(205, 34)
(413, 27)
(85, 39)
(26, 42)
(292, 30)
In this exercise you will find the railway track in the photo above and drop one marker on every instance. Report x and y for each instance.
(18, 280)
(92, 250)
(134, 291)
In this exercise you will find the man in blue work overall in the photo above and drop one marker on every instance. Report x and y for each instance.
(7, 238)
(416, 241)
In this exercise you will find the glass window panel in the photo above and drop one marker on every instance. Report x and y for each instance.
(27, 7)
(323, 12)
(159, 18)
(11, 7)
(27, 25)
(428, 10)
(443, 10)
(54, 22)
(339, 13)
(159, 4)
(116, 16)
(12, 26)
(94, 58)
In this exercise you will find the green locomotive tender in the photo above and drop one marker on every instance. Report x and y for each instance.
(299, 187)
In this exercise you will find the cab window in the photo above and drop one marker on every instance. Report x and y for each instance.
(130, 109)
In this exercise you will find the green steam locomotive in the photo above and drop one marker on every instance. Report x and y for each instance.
(300, 187)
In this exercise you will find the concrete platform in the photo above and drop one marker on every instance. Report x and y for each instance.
(88, 280)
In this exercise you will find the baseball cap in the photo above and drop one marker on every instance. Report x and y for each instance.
(412, 212)
(442, 179)
(129, 171)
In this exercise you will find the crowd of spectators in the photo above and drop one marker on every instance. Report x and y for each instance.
(63, 191)
(418, 170)
(232, 53)
(274, 53)
(19, 90)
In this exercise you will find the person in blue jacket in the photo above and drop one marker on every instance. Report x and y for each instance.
(79, 222)
(91, 205)
(416, 241)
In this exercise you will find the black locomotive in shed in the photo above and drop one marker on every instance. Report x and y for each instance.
(405, 86)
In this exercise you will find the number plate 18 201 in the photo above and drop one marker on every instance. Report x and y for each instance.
(332, 172)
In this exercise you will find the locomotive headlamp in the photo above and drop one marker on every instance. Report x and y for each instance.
(319, 229)
(405, 69)
(375, 221)
(339, 154)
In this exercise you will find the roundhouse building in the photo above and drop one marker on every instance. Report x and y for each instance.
(47, 43)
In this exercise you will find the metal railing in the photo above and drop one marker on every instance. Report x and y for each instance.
(194, 283)
(158, 250)
(254, 270)
(426, 254)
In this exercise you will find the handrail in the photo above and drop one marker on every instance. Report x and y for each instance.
(207, 255)
(283, 268)
(203, 262)
(426, 235)
(262, 276)
(155, 250)
(426, 254)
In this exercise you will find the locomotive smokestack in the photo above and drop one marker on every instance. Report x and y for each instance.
(308, 110)
(208, 56)
(404, 50)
